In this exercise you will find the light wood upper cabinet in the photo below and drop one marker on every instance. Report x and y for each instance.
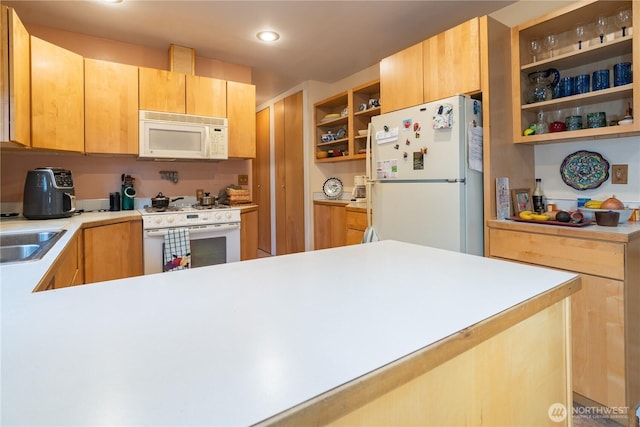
(241, 112)
(15, 98)
(353, 111)
(113, 251)
(452, 62)
(401, 79)
(162, 90)
(206, 96)
(57, 97)
(441, 66)
(111, 107)
(571, 59)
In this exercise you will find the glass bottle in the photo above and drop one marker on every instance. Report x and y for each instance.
(538, 197)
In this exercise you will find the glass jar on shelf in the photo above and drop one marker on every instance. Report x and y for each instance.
(541, 85)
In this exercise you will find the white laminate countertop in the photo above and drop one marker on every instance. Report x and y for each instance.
(234, 344)
(28, 274)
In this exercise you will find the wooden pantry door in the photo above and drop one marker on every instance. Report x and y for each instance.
(289, 164)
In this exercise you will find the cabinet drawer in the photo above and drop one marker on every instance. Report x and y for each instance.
(585, 256)
(356, 220)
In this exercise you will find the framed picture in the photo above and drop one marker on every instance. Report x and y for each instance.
(521, 200)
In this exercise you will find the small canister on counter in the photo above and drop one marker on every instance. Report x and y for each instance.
(114, 201)
(635, 215)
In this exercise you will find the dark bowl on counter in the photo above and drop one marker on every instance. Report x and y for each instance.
(607, 219)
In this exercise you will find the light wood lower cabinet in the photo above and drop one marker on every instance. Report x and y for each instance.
(113, 251)
(605, 319)
(249, 233)
(329, 224)
(356, 219)
(67, 269)
(598, 340)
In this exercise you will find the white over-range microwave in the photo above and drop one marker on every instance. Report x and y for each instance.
(170, 136)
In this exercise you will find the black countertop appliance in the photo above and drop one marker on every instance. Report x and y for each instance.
(48, 193)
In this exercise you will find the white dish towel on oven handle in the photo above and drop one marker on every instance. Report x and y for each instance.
(177, 250)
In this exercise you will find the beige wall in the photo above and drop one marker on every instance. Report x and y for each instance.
(96, 176)
(132, 54)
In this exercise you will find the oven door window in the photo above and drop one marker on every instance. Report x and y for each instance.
(208, 251)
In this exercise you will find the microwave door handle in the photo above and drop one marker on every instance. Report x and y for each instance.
(207, 142)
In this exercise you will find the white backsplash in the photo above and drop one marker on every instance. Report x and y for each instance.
(549, 157)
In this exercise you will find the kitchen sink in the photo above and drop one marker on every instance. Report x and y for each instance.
(27, 246)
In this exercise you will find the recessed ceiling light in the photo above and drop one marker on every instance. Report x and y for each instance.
(268, 36)
(112, 1)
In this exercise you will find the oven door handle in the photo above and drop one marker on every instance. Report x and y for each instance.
(218, 228)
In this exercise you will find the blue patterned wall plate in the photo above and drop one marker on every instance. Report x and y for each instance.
(584, 170)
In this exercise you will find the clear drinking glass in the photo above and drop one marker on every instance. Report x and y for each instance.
(552, 42)
(623, 17)
(541, 125)
(535, 47)
(601, 27)
(579, 32)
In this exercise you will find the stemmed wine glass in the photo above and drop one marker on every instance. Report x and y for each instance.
(579, 32)
(623, 16)
(552, 42)
(601, 27)
(535, 47)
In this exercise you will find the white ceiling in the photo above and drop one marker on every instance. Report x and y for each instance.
(319, 40)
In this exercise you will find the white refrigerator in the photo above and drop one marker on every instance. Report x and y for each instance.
(425, 175)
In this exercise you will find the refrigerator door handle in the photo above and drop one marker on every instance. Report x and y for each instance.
(453, 181)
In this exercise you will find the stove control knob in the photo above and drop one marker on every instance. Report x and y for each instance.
(229, 215)
(158, 219)
(171, 219)
(218, 216)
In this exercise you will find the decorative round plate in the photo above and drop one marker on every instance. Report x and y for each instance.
(584, 170)
(332, 188)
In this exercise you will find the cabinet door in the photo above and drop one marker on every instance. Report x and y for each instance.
(451, 62)
(329, 226)
(113, 251)
(597, 329)
(261, 168)
(249, 235)
(206, 96)
(356, 223)
(241, 112)
(15, 98)
(57, 97)
(289, 166)
(111, 107)
(401, 80)
(162, 90)
(67, 268)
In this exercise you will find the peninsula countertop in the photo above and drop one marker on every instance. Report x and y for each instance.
(238, 343)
